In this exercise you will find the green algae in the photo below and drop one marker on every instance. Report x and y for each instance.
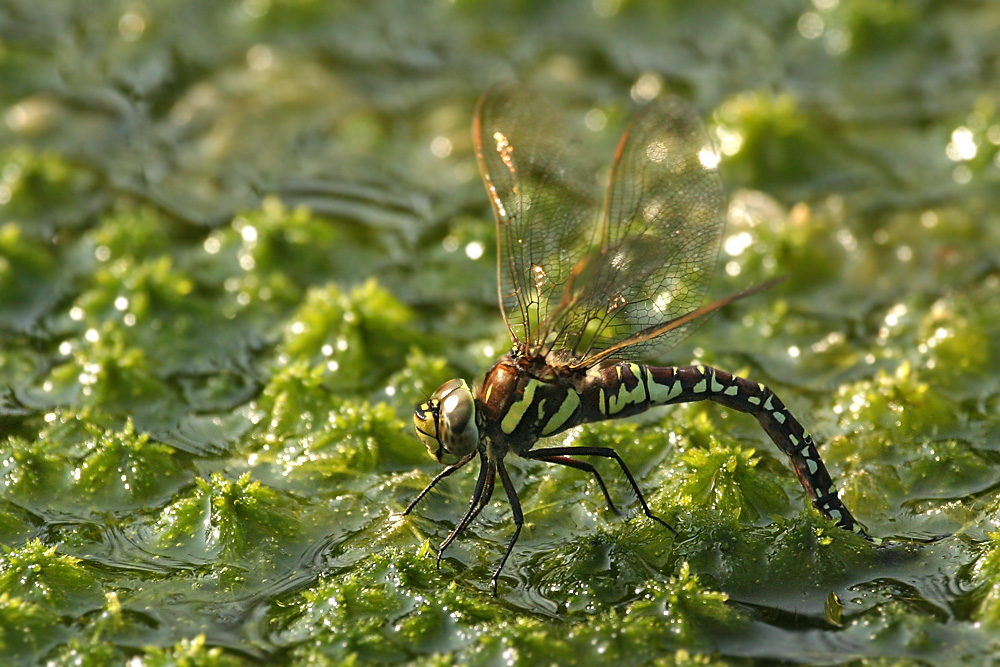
(239, 242)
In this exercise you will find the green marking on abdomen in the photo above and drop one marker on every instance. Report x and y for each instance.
(617, 401)
(565, 411)
(660, 393)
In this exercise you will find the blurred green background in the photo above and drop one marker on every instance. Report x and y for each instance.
(240, 240)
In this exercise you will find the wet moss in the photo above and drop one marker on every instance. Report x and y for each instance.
(38, 574)
(239, 243)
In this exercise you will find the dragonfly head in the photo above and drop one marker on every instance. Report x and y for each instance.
(446, 423)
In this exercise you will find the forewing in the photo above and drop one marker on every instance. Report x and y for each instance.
(661, 230)
(542, 189)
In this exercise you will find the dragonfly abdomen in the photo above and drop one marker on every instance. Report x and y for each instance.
(625, 389)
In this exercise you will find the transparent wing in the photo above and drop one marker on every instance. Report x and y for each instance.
(661, 230)
(543, 191)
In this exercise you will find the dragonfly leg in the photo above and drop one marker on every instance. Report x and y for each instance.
(584, 466)
(437, 478)
(480, 497)
(515, 505)
(608, 453)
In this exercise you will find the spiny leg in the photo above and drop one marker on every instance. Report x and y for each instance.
(480, 497)
(607, 453)
(437, 478)
(515, 506)
(487, 495)
(586, 467)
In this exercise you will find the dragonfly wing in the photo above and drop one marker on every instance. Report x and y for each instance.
(661, 230)
(542, 188)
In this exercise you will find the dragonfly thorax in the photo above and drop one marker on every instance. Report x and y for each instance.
(446, 423)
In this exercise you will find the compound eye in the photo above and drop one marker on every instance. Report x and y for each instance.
(446, 424)
(425, 419)
(448, 388)
(458, 412)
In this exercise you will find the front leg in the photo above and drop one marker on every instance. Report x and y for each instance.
(480, 497)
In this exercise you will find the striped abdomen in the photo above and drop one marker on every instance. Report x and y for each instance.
(536, 408)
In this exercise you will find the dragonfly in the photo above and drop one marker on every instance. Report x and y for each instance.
(588, 288)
